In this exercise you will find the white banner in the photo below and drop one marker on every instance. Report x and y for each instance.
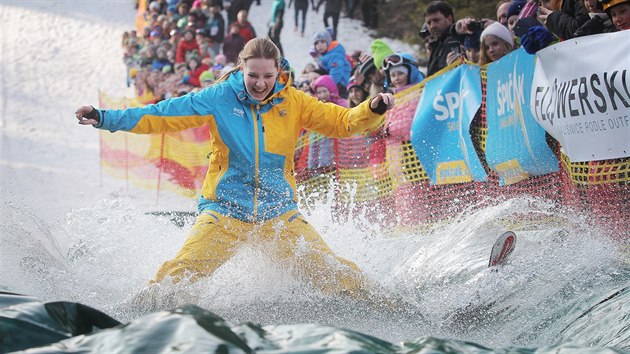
(581, 95)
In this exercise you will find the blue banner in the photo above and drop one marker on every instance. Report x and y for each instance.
(440, 130)
(516, 146)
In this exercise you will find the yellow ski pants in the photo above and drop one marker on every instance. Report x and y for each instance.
(215, 238)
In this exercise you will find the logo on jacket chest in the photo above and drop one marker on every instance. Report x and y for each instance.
(238, 112)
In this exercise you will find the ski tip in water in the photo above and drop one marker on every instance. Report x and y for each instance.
(502, 249)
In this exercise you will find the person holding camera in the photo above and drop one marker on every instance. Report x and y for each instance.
(440, 22)
(449, 35)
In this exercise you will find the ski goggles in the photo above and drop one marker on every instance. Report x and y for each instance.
(395, 60)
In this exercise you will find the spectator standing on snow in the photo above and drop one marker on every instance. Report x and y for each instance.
(215, 27)
(276, 23)
(332, 11)
(300, 6)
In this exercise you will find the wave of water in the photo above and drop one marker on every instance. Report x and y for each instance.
(566, 282)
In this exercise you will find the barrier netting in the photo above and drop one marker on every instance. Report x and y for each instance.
(377, 175)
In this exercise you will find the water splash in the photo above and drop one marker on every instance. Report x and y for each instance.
(561, 267)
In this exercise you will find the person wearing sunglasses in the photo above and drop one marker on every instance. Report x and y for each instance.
(401, 71)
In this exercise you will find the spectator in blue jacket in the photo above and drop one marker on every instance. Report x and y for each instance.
(332, 59)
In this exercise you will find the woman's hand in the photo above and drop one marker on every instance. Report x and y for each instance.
(87, 115)
(382, 102)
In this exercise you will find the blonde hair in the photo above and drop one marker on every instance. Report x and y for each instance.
(483, 56)
(257, 48)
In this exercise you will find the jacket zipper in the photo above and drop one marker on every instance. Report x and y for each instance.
(256, 163)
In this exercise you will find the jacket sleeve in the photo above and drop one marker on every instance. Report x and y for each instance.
(170, 115)
(565, 23)
(335, 121)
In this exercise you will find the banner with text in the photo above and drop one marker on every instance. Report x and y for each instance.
(516, 146)
(440, 130)
(581, 95)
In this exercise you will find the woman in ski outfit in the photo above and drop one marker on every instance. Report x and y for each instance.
(249, 194)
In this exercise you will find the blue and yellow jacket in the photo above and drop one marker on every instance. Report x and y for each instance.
(251, 171)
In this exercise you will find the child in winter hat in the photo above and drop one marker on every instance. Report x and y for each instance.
(498, 30)
(322, 36)
(380, 51)
(495, 30)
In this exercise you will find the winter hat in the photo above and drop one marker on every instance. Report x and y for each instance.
(206, 75)
(153, 5)
(367, 67)
(401, 68)
(352, 84)
(472, 41)
(498, 30)
(133, 72)
(606, 5)
(327, 82)
(515, 8)
(322, 36)
(380, 51)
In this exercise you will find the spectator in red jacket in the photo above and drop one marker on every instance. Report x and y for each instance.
(246, 30)
(187, 47)
(195, 68)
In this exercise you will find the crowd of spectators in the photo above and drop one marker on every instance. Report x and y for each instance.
(188, 44)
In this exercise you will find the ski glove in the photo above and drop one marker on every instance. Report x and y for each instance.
(536, 38)
(93, 114)
(592, 26)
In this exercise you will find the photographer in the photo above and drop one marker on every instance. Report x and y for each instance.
(449, 36)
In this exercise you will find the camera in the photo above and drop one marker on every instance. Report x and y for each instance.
(424, 31)
(476, 26)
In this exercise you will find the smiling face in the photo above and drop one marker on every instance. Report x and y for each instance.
(323, 94)
(260, 77)
(399, 78)
(620, 15)
(356, 94)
